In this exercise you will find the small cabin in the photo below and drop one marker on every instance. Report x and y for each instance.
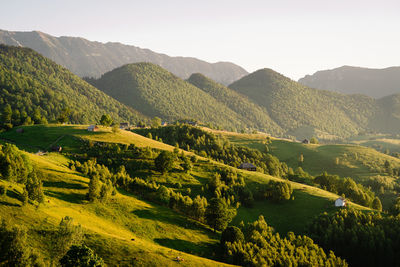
(340, 202)
(306, 141)
(247, 166)
(20, 130)
(124, 125)
(92, 128)
(56, 148)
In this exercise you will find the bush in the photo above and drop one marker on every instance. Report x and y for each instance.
(3, 190)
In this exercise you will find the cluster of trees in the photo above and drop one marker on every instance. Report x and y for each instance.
(34, 89)
(209, 145)
(64, 246)
(256, 244)
(362, 238)
(348, 187)
(275, 191)
(16, 167)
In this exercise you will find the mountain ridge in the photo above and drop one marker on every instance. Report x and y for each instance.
(92, 59)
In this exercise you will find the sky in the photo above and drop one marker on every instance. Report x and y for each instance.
(292, 37)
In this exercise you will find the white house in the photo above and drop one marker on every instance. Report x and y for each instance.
(340, 202)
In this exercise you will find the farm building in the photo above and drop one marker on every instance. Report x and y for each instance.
(92, 128)
(124, 125)
(56, 148)
(247, 166)
(340, 202)
(305, 141)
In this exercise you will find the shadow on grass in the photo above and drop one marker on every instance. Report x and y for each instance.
(62, 184)
(9, 204)
(202, 249)
(68, 197)
(14, 194)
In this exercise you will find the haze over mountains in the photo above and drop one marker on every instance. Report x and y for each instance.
(355, 80)
(91, 59)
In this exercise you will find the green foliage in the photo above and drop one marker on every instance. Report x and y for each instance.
(251, 114)
(3, 190)
(164, 161)
(81, 256)
(262, 247)
(295, 107)
(207, 144)
(348, 187)
(34, 89)
(376, 204)
(314, 140)
(156, 92)
(63, 238)
(275, 191)
(106, 120)
(231, 234)
(218, 214)
(363, 239)
(34, 186)
(156, 122)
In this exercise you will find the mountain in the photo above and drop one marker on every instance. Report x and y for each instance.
(376, 83)
(155, 91)
(38, 90)
(91, 59)
(303, 111)
(256, 116)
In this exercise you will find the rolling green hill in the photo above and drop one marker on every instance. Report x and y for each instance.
(156, 92)
(303, 111)
(39, 90)
(365, 165)
(254, 115)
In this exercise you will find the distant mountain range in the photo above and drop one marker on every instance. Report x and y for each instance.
(355, 80)
(92, 59)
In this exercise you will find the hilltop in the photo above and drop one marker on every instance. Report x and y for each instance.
(34, 89)
(375, 83)
(303, 111)
(155, 91)
(92, 59)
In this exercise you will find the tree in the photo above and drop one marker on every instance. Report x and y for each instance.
(156, 122)
(14, 248)
(81, 256)
(231, 234)
(6, 116)
(376, 204)
(64, 116)
(94, 188)
(64, 237)
(314, 140)
(33, 186)
(3, 190)
(218, 214)
(164, 161)
(187, 164)
(106, 120)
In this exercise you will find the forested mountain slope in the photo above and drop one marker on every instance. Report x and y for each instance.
(33, 89)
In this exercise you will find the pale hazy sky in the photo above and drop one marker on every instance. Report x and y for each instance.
(290, 36)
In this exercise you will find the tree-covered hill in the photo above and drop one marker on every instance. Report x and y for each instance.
(154, 91)
(33, 89)
(256, 116)
(295, 107)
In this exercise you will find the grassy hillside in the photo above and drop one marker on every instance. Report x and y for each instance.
(255, 116)
(39, 90)
(365, 165)
(302, 111)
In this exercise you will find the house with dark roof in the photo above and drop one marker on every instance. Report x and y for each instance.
(247, 166)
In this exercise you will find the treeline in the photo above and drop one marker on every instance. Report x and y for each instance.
(208, 145)
(16, 167)
(362, 238)
(256, 244)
